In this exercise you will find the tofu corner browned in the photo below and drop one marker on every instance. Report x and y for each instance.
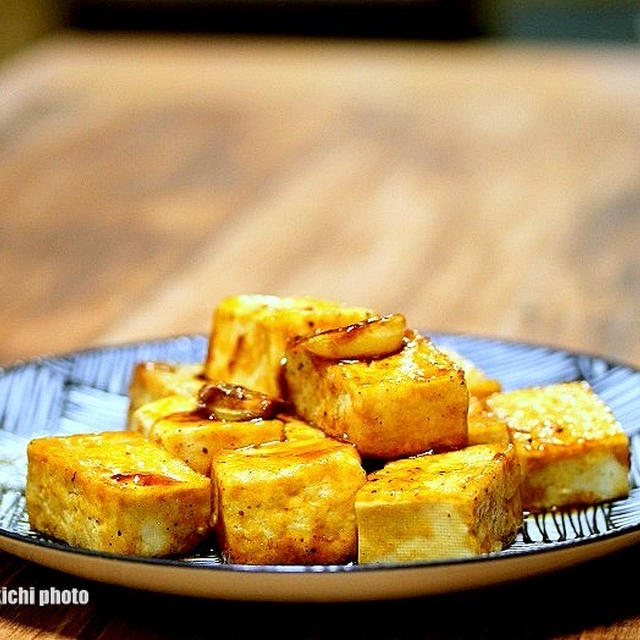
(249, 335)
(480, 385)
(146, 415)
(571, 448)
(455, 504)
(115, 492)
(485, 427)
(289, 502)
(221, 417)
(196, 439)
(402, 404)
(295, 429)
(154, 380)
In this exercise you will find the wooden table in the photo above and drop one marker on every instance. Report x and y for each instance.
(481, 188)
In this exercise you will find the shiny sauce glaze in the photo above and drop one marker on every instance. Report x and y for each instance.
(223, 401)
(143, 479)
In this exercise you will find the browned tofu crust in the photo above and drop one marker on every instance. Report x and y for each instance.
(454, 504)
(154, 380)
(288, 502)
(145, 416)
(196, 440)
(116, 492)
(485, 427)
(571, 448)
(187, 428)
(480, 385)
(249, 335)
(394, 406)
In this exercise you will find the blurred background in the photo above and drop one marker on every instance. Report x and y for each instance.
(577, 20)
(474, 165)
(615, 20)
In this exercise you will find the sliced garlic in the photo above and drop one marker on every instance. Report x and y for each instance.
(372, 338)
(235, 403)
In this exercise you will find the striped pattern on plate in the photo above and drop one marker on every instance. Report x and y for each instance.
(87, 391)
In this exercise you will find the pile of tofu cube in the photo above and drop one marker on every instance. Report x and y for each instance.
(318, 433)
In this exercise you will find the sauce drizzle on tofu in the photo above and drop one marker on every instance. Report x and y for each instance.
(143, 479)
(233, 403)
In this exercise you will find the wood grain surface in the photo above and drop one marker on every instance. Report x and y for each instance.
(478, 188)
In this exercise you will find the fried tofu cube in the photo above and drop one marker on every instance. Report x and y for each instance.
(449, 505)
(116, 492)
(250, 332)
(402, 404)
(479, 384)
(484, 427)
(190, 430)
(571, 448)
(295, 429)
(145, 416)
(288, 502)
(154, 380)
(195, 439)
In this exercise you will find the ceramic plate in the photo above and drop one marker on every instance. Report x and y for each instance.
(86, 391)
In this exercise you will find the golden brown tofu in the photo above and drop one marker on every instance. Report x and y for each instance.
(154, 380)
(295, 429)
(250, 332)
(145, 416)
(116, 492)
(288, 502)
(182, 428)
(448, 505)
(402, 404)
(484, 427)
(572, 450)
(480, 385)
(222, 416)
(195, 439)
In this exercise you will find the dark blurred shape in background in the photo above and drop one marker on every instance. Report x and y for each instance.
(424, 19)
(569, 20)
(24, 20)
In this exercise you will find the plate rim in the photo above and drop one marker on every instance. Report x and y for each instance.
(429, 333)
(316, 569)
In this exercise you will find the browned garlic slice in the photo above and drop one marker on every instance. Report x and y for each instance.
(372, 338)
(223, 401)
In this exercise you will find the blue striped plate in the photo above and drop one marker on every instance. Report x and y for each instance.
(87, 391)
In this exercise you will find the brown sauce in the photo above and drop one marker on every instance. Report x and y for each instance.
(223, 401)
(142, 479)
